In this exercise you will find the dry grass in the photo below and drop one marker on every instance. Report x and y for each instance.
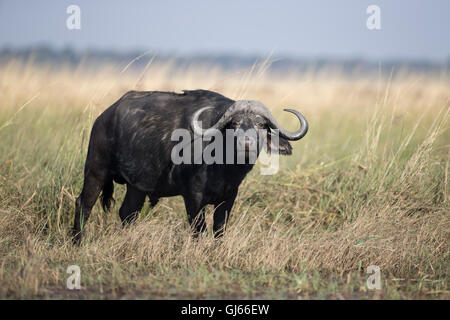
(367, 186)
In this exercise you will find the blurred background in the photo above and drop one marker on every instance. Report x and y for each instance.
(232, 34)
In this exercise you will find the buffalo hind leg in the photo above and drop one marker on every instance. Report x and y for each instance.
(84, 203)
(132, 205)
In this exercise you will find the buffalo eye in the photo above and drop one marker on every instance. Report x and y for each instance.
(259, 123)
(235, 123)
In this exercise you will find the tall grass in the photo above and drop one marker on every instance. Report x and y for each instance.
(367, 186)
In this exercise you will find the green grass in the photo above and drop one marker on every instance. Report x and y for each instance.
(367, 186)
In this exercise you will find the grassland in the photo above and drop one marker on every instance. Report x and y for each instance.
(367, 186)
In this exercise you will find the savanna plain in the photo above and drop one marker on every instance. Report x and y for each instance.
(368, 185)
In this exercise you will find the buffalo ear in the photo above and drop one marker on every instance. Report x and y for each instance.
(284, 147)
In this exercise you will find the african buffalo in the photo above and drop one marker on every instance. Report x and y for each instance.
(132, 143)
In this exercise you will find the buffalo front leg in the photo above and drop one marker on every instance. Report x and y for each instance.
(196, 215)
(132, 205)
(221, 215)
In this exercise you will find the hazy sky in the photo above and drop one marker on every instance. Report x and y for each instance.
(410, 29)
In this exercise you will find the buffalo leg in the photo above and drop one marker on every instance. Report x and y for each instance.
(221, 215)
(84, 203)
(196, 216)
(132, 205)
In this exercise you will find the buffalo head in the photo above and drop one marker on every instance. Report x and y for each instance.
(253, 126)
